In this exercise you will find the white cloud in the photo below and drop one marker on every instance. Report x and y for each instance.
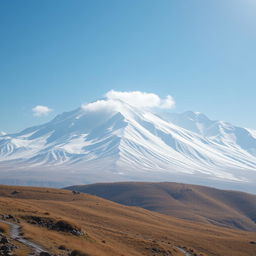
(107, 105)
(141, 99)
(40, 110)
(113, 101)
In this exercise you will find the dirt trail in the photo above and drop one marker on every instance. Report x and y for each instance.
(15, 234)
(186, 253)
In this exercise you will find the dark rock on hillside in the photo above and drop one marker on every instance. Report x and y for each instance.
(44, 254)
(6, 247)
(78, 253)
(62, 247)
(9, 217)
(52, 224)
(15, 192)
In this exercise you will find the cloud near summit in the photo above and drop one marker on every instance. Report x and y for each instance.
(141, 99)
(134, 98)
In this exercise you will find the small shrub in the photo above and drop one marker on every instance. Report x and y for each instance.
(62, 247)
(79, 253)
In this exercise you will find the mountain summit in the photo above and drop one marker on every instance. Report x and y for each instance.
(110, 140)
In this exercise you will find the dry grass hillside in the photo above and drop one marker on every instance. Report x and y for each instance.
(197, 203)
(108, 228)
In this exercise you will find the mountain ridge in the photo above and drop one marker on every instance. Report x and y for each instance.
(131, 144)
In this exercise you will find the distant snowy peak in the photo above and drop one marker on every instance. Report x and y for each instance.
(192, 121)
(252, 132)
(218, 131)
(120, 139)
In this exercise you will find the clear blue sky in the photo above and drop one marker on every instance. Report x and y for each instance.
(63, 53)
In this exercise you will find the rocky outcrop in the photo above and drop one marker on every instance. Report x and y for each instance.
(53, 224)
(6, 247)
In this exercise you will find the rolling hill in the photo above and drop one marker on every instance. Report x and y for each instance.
(51, 218)
(198, 203)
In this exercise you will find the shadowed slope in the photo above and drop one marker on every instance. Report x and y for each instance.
(204, 204)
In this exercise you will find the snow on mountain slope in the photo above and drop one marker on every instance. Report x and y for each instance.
(110, 137)
(219, 131)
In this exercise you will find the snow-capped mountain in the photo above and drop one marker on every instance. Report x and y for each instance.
(219, 131)
(109, 140)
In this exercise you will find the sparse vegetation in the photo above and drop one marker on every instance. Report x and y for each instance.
(62, 247)
(232, 209)
(15, 192)
(125, 230)
(79, 253)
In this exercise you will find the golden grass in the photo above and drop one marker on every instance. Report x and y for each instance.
(202, 204)
(4, 228)
(117, 230)
(21, 250)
